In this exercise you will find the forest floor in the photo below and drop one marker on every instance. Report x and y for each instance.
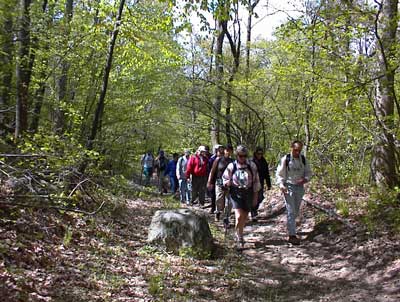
(49, 256)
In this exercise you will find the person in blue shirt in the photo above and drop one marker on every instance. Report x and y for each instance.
(171, 172)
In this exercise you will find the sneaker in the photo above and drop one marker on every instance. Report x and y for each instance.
(294, 240)
(239, 240)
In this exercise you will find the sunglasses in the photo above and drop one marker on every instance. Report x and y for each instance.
(259, 153)
(242, 155)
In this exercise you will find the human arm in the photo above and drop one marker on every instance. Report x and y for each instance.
(307, 174)
(189, 167)
(227, 176)
(257, 186)
(210, 183)
(281, 175)
(267, 177)
(178, 168)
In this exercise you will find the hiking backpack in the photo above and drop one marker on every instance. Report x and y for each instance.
(287, 160)
(148, 160)
(242, 175)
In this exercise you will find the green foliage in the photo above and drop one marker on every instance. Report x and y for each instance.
(196, 253)
(342, 207)
(67, 237)
(383, 210)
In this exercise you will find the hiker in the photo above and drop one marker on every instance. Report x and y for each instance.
(161, 163)
(218, 151)
(197, 170)
(263, 174)
(147, 162)
(215, 181)
(292, 173)
(241, 177)
(171, 172)
(181, 176)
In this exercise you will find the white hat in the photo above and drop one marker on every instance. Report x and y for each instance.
(217, 146)
(202, 149)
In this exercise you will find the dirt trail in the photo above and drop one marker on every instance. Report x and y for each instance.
(53, 257)
(333, 263)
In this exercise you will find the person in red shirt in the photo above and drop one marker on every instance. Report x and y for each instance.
(197, 172)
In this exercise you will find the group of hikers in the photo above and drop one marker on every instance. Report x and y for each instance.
(237, 183)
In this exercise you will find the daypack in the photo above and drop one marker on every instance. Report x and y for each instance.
(242, 175)
(303, 159)
(148, 160)
(162, 164)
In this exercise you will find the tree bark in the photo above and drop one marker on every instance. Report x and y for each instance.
(59, 122)
(39, 93)
(22, 70)
(384, 161)
(219, 73)
(6, 38)
(235, 45)
(100, 105)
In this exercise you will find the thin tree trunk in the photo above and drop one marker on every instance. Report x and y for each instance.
(384, 160)
(59, 122)
(6, 65)
(39, 93)
(219, 70)
(22, 70)
(235, 45)
(100, 105)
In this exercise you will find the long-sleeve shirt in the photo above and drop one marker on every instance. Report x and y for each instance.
(263, 171)
(294, 173)
(171, 168)
(197, 166)
(232, 180)
(181, 167)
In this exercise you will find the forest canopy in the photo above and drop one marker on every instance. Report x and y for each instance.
(94, 84)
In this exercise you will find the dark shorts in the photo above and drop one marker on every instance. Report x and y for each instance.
(241, 198)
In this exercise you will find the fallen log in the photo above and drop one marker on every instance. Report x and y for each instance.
(331, 213)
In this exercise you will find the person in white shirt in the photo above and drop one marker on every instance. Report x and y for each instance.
(292, 173)
(180, 174)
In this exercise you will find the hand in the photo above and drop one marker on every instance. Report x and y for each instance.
(210, 186)
(283, 189)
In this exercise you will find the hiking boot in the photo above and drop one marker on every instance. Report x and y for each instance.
(294, 240)
(217, 216)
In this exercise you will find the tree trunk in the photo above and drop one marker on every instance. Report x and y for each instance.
(384, 160)
(39, 93)
(59, 122)
(6, 38)
(235, 45)
(219, 70)
(100, 105)
(22, 70)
